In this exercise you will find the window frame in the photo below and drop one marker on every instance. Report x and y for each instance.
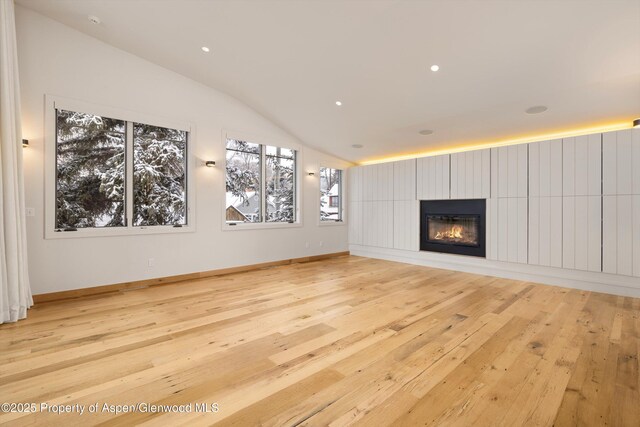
(50, 169)
(343, 197)
(297, 194)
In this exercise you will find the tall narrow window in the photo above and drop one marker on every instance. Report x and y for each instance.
(280, 176)
(330, 194)
(159, 176)
(243, 179)
(260, 183)
(90, 171)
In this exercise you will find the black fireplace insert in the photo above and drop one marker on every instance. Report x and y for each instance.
(453, 226)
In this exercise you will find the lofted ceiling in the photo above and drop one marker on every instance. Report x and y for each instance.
(292, 60)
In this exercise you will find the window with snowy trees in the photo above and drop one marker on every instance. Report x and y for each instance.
(94, 189)
(159, 176)
(260, 183)
(330, 194)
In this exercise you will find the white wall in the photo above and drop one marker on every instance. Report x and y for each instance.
(57, 60)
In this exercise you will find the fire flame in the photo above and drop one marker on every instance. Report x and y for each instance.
(454, 233)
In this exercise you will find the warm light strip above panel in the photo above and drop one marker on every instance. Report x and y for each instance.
(522, 140)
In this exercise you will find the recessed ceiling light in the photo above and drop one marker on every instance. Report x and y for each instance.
(357, 145)
(205, 49)
(338, 103)
(536, 109)
(435, 68)
(94, 19)
(426, 132)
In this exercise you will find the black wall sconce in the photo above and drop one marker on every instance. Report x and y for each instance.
(636, 123)
(209, 163)
(25, 142)
(311, 173)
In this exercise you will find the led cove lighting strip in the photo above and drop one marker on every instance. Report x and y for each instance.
(523, 140)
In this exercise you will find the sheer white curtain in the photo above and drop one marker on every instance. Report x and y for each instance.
(15, 294)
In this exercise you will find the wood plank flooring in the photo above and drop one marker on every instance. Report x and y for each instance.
(346, 341)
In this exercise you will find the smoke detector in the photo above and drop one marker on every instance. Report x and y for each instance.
(94, 19)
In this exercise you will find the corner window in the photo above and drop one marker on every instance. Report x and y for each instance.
(260, 183)
(117, 174)
(330, 194)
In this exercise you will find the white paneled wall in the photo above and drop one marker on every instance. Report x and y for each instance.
(355, 195)
(581, 203)
(509, 170)
(377, 182)
(582, 165)
(354, 222)
(507, 216)
(507, 229)
(406, 222)
(377, 220)
(433, 177)
(582, 233)
(621, 235)
(571, 203)
(621, 202)
(406, 225)
(545, 168)
(404, 180)
(354, 179)
(621, 162)
(471, 175)
(545, 231)
(545, 203)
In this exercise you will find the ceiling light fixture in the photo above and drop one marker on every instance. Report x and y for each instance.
(537, 109)
(356, 145)
(435, 68)
(205, 49)
(636, 123)
(338, 103)
(426, 132)
(94, 19)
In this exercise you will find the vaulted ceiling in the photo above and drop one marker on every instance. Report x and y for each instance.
(292, 60)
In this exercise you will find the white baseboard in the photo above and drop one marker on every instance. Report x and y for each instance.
(576, 279)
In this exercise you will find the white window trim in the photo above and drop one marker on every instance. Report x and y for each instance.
(343, 198)
(274, 142)
(50, 140)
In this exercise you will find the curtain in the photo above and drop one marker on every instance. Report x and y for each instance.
(15, 293)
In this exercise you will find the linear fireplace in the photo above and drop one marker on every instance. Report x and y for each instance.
(453, 226)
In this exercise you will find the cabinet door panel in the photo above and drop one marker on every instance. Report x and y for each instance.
(405, 225)
(581, 226)
(545, 231)
(404, 180)
(354, 220)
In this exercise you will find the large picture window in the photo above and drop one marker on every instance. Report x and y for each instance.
(159, 176)
(117, 174)
(330, 194)
(90, 171)
(260, 183)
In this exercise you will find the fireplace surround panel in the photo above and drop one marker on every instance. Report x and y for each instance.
(453, 226)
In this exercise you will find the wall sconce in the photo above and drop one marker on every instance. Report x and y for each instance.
(311, 173)
(25, 143)
(636, 123)
(209, 163)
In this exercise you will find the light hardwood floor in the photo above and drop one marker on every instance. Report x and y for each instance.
(343, 341)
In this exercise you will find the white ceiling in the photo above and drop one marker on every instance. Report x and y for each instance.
(291, 60)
